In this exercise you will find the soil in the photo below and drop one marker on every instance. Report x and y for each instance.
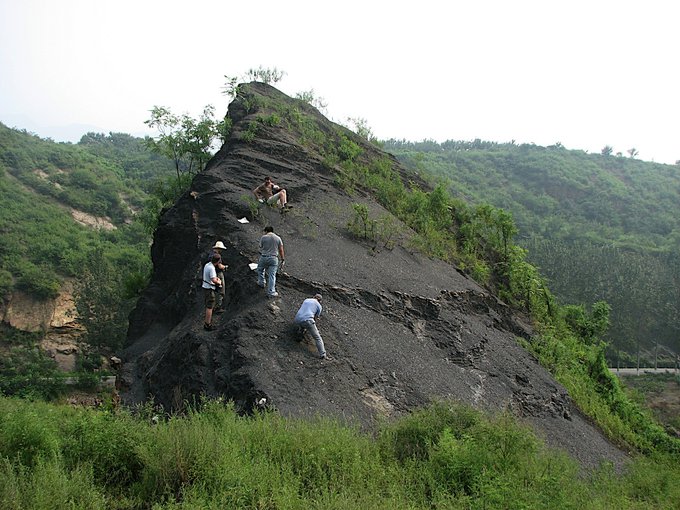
(403, 330)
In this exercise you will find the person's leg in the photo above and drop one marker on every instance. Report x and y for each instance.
(260, 271)
(219, 298)
(271, 275)
(310, 325)
(283, 199)
(209, 304)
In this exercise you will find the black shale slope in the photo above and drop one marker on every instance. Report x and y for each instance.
(403, 329)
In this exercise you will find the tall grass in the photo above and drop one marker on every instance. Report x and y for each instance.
(444, 456)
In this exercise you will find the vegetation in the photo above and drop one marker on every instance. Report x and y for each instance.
(43, 181)
(600, 227)
(26, 370)
(659, 393)
(381, 232)
(42, 186)
(186, 141)
(440, 457)
(480, 239)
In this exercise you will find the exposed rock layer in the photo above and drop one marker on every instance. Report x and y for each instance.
(55, 317)
(402, 329)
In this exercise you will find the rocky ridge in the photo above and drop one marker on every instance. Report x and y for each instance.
(403, 330)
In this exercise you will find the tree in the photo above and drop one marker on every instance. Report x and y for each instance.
(607, 150)
(188, 142)
(265, 75)
(309, 97)
(262, 74)
(588, 326)
(633, 152)
(101, 305)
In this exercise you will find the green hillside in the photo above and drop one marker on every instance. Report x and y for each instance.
(599, 227)
(64, 204)
(72, 212)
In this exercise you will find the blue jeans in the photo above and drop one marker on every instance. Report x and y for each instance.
(310, 326)
(268, 263)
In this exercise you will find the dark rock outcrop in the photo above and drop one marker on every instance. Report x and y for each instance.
(403, 329)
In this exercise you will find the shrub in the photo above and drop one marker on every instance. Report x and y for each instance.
(38, 281)
(6, 283)
(27, 433)
(49, 486)
(413, 436)
(28, 372)
(109, 443)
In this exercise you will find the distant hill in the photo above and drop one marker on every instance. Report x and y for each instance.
(62, 203)
(600, 227)
(68, 222)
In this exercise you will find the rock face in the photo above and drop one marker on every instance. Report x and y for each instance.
(402, 329)
(56, 317)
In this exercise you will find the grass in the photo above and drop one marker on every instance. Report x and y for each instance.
(444, 456)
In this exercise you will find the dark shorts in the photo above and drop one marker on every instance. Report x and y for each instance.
(209, 298)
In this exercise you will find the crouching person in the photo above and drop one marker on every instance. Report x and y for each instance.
(305, 318)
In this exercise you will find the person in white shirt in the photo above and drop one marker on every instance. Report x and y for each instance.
(210, 285)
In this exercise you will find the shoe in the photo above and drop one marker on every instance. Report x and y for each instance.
(207, 327)
(326, 357)
(275, 294)
(219, 310)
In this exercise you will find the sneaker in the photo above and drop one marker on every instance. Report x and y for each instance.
(275, 294)
(207, 327)
(326, 357)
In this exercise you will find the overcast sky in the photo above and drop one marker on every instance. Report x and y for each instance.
(583, 73)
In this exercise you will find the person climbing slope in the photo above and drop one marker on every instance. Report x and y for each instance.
(306, 316)
(271, 253)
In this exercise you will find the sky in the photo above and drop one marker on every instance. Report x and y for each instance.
(586, 74)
